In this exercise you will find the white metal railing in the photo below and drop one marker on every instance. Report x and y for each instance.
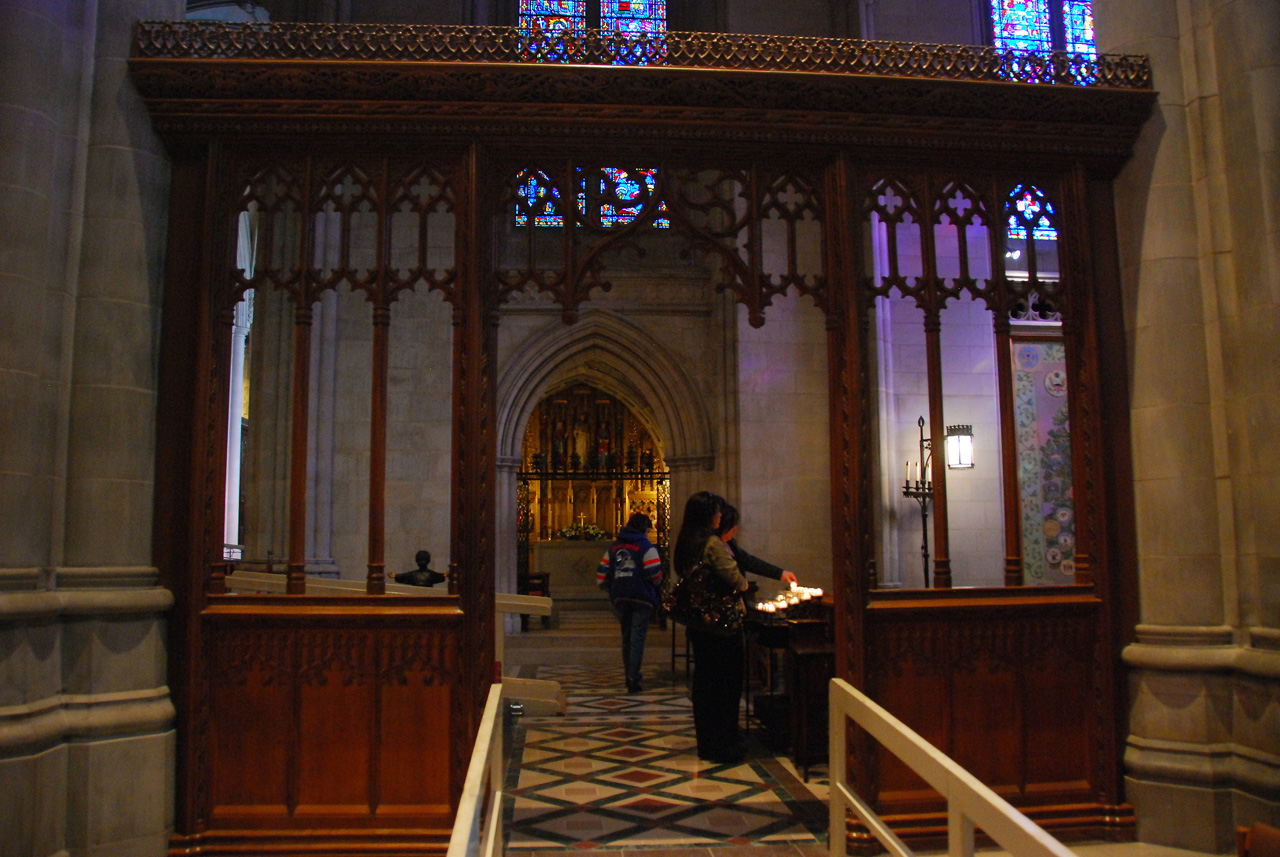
(477, 829)
(969, 802)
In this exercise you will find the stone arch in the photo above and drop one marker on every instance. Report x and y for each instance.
(616, 356)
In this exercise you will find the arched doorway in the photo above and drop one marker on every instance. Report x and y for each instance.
(619, 360)
(587, 463)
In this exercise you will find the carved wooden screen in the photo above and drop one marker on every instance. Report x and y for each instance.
(969, 261)
(864, 173)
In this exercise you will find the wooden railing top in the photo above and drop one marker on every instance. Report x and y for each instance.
(681, 50)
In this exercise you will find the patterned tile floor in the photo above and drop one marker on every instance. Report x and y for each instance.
(620, 772)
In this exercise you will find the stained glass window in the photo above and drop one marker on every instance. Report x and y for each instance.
(1028, 28)
(539, 200)
(1031, 209)
(633, 16)
(1077, 23)
(633, 19)
(623, 192)
(619, 187)
(1021, 25)
(553, 16)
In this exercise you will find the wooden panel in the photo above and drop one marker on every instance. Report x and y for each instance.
(248, 765)
(1058, 727)
(336, 693)
(985, 712)
(330, 715)
(1003, 683)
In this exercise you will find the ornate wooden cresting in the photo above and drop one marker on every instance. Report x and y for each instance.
(774, 157)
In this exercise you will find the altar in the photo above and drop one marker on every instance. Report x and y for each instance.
(570, 566)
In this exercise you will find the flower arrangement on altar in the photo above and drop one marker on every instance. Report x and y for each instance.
(582, 533)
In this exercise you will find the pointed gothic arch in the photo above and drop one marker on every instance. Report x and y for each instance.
(608, 352)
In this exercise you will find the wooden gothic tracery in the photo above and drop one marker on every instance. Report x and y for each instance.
(806, 183)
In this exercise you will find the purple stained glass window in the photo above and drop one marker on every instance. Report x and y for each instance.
(1029, 208)
(1021, 25)
(1077, 22)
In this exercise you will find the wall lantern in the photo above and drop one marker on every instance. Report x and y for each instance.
(959, 447)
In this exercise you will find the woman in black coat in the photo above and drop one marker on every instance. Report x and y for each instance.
(717, 652)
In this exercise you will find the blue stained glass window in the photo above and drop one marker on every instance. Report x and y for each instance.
(624, 186)
(553, 16)
(539, 200)
(1031, 209)
(1077, 22)
(1021, 25)
(633, 19)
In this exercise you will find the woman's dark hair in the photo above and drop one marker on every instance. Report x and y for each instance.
(695, 529)
(728, 519)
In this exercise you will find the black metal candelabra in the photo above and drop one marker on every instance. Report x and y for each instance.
(921, 490)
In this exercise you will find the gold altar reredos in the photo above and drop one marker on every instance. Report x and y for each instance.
(590, 462)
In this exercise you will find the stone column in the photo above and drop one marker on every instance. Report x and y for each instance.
(235, 420)
(320, 437)
(86, 743)
(1198, 209)
(505, 536)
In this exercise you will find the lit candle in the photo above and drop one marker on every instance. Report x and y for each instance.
(818, 592)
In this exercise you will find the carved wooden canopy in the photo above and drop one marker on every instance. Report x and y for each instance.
(689, 88)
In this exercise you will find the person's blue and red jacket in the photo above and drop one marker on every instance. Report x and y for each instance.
(630, 569)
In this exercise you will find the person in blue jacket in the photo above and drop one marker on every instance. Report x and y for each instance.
(630, 572)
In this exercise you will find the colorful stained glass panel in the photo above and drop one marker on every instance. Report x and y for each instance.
(633, 16)
(1029, 208)
(569, 16)
(624, 194)
(1021, 25)
(539, 200)
(1077, 20)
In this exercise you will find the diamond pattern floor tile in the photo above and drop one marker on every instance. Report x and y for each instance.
(620, 771)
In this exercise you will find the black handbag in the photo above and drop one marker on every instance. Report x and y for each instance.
(702, 601)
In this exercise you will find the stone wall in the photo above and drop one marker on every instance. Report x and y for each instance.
(86, 740)
(1199, 213)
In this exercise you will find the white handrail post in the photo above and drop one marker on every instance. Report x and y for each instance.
(959, 832)
(837, 839)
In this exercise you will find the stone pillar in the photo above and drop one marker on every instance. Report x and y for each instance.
(1199, 214)
(86, 740)
(235, 420)
(320, 437)
(505, 536)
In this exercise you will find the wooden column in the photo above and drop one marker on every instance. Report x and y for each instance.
(296, 581)
(474, 470)
(1008, 443)
(852, 530)
(1079, 336)
(376, 582)
(938, 449)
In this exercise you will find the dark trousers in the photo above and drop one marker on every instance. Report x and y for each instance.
(717, 690)
(635, 628)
